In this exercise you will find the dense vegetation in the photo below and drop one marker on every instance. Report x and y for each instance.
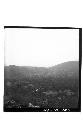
(54, 87)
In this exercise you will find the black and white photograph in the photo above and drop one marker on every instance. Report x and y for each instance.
(42, 69)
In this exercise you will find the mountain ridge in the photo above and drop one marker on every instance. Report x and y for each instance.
(41, 71)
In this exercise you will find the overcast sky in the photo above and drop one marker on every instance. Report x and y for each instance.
(41, 47)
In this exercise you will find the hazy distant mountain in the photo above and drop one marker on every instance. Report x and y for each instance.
(65, 74)
(19, 72)
(68, 68)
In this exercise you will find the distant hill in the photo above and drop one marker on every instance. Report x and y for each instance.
(65, 74)
(19, 72)
(71, 68)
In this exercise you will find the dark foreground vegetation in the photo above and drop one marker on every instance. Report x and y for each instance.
(34, 88)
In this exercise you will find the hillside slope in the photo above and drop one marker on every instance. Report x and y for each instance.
(64, 74)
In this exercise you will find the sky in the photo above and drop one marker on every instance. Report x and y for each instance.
(40, 47)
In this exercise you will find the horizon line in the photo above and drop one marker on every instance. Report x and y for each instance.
(41, 66)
